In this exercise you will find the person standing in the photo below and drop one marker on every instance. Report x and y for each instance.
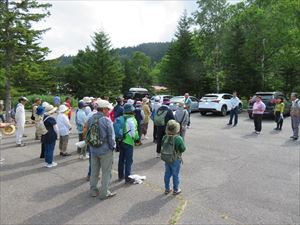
(161, 118)
(234, 102)
(35, 105)
(278, 113)
(182, 117)
(154, 107)
(49, 139)
(295, 116)
(176, 143)
(1, 111)
(68, 104)
(87, 101)
(80, 119)
(126, 146)
(39, 119)
(188, 106)
(139, 116)
(118, 109)
(64, 127)
(102, 157)
(20, 121)
(258, 110)
(56, 101)
(146, 110)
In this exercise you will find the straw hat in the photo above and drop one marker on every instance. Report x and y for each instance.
(8, 130)
(103, 104)
(172, 127)
(50, 109)
(87, 100)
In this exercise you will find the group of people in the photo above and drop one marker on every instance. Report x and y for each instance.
(104, 128)
(259, 108)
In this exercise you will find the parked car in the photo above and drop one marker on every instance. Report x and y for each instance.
(216, 103)
(137, 94)
(164, 99)
(175, 100)
(269, 98)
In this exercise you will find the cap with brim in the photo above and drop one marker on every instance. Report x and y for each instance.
(62, 108)
(50, 109)
(172, 127)
(104, 104)
(23, 99)
(40, 110)
(128, 108)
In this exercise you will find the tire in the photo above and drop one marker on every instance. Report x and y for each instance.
(223, 110)
(203, 113)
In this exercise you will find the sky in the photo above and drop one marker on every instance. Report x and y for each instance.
(126, 22)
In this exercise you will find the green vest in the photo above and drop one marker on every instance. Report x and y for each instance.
(128, 139)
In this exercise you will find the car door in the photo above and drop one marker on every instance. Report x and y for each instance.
(227, 101)
(195, 104)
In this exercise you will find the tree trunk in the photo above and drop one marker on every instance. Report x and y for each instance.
(7, 100)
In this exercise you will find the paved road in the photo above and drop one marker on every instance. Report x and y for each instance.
(229, 176)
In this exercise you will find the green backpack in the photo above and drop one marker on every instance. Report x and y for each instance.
(159, 118)
(168, 153)
(93, 133)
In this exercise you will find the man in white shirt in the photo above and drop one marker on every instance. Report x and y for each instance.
(64, 127)
(234, 101)
(20, 121)
(295, 116)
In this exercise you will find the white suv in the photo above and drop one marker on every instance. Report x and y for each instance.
(216, 103)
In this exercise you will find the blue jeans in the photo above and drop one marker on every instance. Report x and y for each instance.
(125, 160)
(172, 170)
(234, 113)
(49, 149)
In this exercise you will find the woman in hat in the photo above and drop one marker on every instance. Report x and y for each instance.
(50, 137)
(64, 127)
(139, 116)
(182, 117)
(146, 110)
(172, 169)
(39, 117)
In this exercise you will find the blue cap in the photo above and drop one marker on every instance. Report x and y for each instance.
(81, 104)
(40, 110)
(128, 108)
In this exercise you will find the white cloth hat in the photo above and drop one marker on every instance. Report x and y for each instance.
(45, 104)
(104, 104)
(62, 108)
(50, 109)
(130, 101)
(87, 100)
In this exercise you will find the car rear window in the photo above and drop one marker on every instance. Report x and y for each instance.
(206, 97)
(177, 99)
(264, 97)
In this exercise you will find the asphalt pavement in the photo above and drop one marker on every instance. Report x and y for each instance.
(229, 176)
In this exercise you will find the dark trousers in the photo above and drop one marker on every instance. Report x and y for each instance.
(49, 150)
(189, 123)
(278, 120)
(154, 133)
(125, 160)
(90, 157)
(161, 131)
(42, 151)
(234, 113)
(2, 118)
(257, 122)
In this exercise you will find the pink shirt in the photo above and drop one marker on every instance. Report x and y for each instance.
(259, 107)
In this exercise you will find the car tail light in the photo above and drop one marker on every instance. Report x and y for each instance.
(216, 101)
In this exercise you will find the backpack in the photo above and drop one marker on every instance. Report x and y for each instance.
(168, 153)
(119, 127)
(159, 118)
(93, 133)
(40, 127)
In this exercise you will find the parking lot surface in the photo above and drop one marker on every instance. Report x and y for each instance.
(229, 176)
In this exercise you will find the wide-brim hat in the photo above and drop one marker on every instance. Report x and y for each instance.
(22, 98)
(104, 104)
(40, 110)
(9, 130)
(62, 108)
(128, 108)
(172, 127)
(87, 100)
(50, 109)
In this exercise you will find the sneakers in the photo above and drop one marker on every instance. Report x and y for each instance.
(177, 192)
(168, 191)
(53, 164)
(129, 180)
(80, 157)
(94, 193)
(64, 154)
(109, 195)
(257, 132)
(84, 157)
(158, 155)
(146, 137)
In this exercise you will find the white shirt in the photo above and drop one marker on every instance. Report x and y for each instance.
(234, 101)
(63, 124)
(294, 103)
(20, 115)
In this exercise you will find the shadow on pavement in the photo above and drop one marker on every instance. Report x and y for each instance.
(65, 212)
(54, 191)
(251, 135)
(142, 210)
(41, 169)
(27, 163)
(291, 143)
(146, 165)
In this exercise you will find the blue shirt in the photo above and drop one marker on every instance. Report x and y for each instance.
(107, 135)
(80, 120)
(56, 100)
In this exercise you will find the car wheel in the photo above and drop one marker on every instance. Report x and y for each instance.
(203, 113)
(223, 110)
